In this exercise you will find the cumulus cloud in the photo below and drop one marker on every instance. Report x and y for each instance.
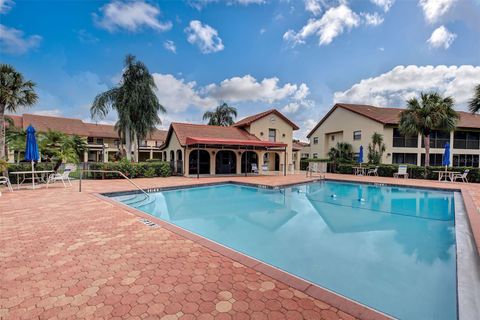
(384, 4)
(176, 95)
(170, 46)
(332, 24)
(433, 10)
(441, 37)
(392, 88)
(204, 36)
(6, 5)
(130, 16)
(14, 41)
(247, 88)
(372, 19)
(314, 6)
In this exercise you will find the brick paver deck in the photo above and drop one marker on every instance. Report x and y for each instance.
(66, 254)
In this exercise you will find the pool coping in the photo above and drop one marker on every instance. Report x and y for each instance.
(467, 291)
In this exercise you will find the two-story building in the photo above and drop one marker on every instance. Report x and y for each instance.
(103, 143)
(263, 140)
(355, 124)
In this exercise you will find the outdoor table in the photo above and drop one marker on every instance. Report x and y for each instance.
(360, 171)
(27, 175)
(446, 175)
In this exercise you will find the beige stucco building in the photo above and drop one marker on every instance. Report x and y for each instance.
(356, 124)
(103, 143)
(262, 142)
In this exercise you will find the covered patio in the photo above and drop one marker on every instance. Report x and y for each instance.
(221, 156)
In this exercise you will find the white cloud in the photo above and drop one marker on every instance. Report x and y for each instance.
(86, 37)
(384, 4)
(372, 19)
(441, 37)
(15, 42)
(170, 46)
(433, 10)
(247, 88)
(291, 107)
(200, 4)
(131, 16)
(314, 6)
(48, 112)
(6, 5)
(392, 88)
(332, 24)
(176, 95)
(204, 36)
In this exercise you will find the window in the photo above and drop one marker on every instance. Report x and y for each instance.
(116, 142)
(465, 160)
(304, 156)
(435, 159)
(404, 158)
(90, 140)
(401, 141)
(272, 135)
(357, 135)
(143, 143)
(466, 140)
(333, 138)
(315, 155)
(99, 141)
(438, 139)
(315, 140)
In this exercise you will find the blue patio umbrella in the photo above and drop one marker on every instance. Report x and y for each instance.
(446, 156)
(360, 155)
(31, 150)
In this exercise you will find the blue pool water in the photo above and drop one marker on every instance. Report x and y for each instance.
(390, 248)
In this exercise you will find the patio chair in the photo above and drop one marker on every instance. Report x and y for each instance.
(64, 177)
(462, 176)
(6, 181)
(254, 168)
(373, 172)
(402, 172)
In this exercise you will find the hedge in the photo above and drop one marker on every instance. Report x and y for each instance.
(130, 169)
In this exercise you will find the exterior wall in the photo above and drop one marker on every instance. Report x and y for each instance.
(174, 145)
(260, 128)
(341, 124)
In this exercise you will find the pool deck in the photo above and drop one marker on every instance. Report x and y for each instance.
(67, 254)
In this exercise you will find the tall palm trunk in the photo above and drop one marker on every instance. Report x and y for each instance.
(128, 143)
(2, 131)
(135, 147)
(426, 140)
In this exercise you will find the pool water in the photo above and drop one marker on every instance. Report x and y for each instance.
(390, 248)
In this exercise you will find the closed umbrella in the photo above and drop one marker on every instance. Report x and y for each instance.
(446, 156)
(31, 150)
(360, 156)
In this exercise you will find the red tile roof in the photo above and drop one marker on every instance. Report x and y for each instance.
(185, 130)
(74, 126)
(392, 115)
(298, 145)
(232, 142)
(248, 120)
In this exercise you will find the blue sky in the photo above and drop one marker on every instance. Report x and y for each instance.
(297, 56)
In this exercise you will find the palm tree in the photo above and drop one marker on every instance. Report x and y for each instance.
(342, 152)
(474, 103)
(135, 102)
(222, 115)
(59, 147)
(376, 148)
(15, 92)
(431, 112)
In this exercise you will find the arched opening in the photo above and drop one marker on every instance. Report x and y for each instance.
(225, 162)
(179, 162)
(172, 156)
(272, 161)
(204, 162)
(250, 157)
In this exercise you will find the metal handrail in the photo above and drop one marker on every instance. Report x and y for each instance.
(111, 171)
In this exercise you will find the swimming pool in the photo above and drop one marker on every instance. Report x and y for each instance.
(390, 248)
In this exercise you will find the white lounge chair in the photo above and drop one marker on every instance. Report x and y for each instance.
(462, 176)
(6, 181)
(64, 177)
(373, 172)
(402, 172)
(254, 168)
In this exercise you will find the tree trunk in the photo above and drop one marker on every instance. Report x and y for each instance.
(135, 148)
(128, 143)
(2, 131)
(426, 141)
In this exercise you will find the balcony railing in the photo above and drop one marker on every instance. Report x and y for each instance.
(466, 144)
(402, 142)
